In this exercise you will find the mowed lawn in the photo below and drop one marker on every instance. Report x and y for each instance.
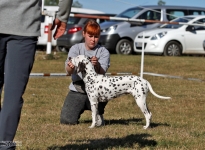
(178, 123)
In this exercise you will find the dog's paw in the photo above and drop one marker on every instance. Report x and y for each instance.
(145, 127)
(91, 127)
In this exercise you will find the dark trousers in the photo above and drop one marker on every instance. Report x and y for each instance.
(16, 61)
(75, 104)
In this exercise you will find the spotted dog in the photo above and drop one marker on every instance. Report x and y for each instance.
(101, 88)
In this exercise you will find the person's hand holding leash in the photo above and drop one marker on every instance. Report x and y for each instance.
(70, 64)
(96, 64)
(60, 29)
(94, 60)
(70, 67)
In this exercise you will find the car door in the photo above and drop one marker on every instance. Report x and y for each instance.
(194, 40)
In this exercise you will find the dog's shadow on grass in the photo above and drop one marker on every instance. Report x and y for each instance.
(118, 121)
(138, 121)
(142, 140)
(154, 125)
(108, 143)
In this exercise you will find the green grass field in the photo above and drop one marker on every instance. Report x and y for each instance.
(176, 124)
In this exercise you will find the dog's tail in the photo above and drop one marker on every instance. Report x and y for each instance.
(155, 94)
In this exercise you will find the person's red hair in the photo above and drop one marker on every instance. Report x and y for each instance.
(92, 28)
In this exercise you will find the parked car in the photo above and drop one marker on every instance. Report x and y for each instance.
(73, 33)
(174, 39)
(118, 36)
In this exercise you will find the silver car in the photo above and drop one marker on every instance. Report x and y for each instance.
(118, 36)
(73, 34)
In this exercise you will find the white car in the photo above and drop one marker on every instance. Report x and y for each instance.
(174, 39)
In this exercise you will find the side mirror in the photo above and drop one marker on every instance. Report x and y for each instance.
(190, 28)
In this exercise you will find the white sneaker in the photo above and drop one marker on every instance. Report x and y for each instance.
(100, 121)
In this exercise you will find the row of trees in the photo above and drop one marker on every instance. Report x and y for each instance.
(55, 3)
(79, 5)
(161, 2)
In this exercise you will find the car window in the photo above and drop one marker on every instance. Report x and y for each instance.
(196, 12)
(42, 18)
(176, 26)
(129, 13)
(200, 21)
(154, 14)
(172, 13)
(101, 20)
(73, 20)
(78, 20)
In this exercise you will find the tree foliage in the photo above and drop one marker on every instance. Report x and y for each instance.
(51, 2)
(77, 4)
(161, 2)
(55, 3)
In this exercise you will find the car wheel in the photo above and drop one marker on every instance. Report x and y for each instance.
(61, 49)
(173, 49)
(124, 46)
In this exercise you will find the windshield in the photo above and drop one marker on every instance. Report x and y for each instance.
(129, 13)
(176, 26)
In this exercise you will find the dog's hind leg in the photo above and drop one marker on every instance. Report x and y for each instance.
(148, 117)
(141, 102)
(94, 109)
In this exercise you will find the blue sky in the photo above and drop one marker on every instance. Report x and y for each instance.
(117, 6)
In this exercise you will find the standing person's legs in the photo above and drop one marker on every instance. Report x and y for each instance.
(18, 64)
(3, 38)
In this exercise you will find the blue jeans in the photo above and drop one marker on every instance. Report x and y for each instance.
(16, 61)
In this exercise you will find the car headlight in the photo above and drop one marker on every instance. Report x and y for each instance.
(158, 35)
(110, 29)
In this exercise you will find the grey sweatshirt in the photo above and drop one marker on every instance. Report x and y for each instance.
(100, 52)
(22, 17)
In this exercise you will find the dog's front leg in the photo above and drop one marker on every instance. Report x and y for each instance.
(94, 109)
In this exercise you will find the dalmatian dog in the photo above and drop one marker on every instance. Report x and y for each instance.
(102, 88)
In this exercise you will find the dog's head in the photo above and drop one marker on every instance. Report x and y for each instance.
(80, 62)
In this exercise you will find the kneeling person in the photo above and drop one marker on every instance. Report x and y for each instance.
(77, 100)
